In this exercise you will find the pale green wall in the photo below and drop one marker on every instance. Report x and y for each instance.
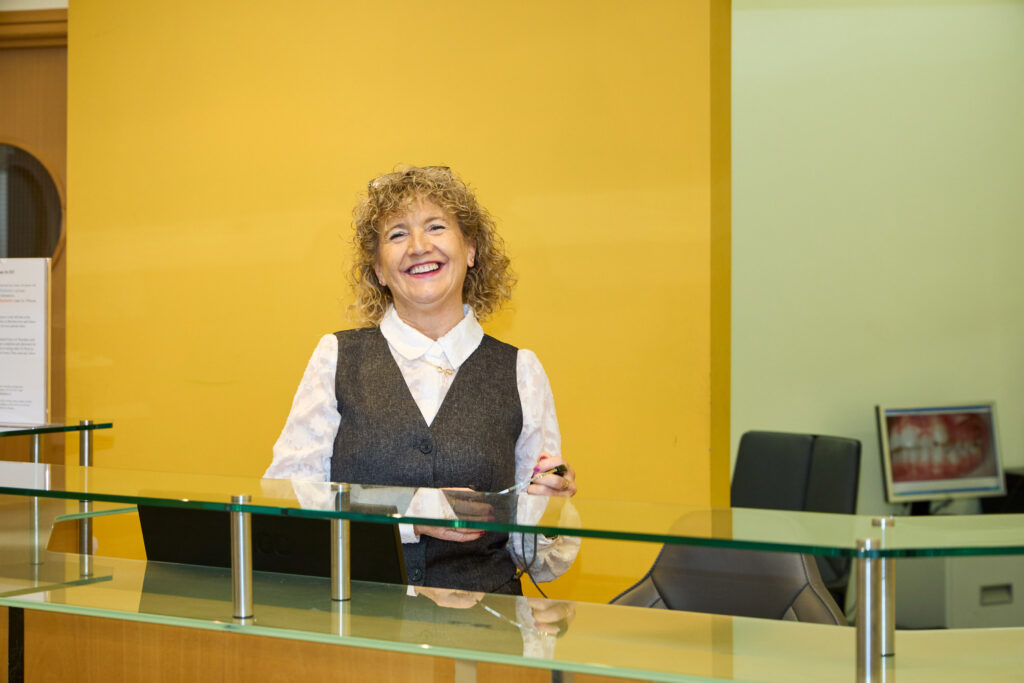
(878, 206)
(17, 5)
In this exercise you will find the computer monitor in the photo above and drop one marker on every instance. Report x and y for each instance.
(280, 543)
(934, 453)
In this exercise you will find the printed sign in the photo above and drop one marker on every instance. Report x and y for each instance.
(24, 340)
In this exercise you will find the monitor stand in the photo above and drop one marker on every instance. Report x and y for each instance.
(920, 508)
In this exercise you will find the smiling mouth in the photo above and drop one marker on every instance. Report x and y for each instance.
(422, 268)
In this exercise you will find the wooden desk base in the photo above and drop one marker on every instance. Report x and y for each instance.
(68, 647)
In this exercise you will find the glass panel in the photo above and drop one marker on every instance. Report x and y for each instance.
(571, 636)
(51, 428)
(787, 531)
(651, 644)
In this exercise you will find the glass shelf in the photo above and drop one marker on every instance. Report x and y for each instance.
(628, 642)
(20, 430)
(785, 531)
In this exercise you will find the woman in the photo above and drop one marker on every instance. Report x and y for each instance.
(428, 264)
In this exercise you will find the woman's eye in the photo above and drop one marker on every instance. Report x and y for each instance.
(436, 227)
(395, 236)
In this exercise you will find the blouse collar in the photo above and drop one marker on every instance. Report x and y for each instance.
(457, 345)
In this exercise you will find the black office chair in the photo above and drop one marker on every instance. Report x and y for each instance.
(745, 583)
(783, 471)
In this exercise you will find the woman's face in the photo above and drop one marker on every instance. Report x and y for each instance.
(422, 257)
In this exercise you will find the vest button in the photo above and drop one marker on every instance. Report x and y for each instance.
(426, 447)
(415, 575)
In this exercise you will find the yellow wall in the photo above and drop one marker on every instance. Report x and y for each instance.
(215, 152)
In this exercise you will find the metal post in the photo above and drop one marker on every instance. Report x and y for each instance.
(85, 444)
(85, 506)
(342, 612)
(869, 631)
(241, 560)
(341, 577)
(35, 552)
(34, 449)
(887, 579)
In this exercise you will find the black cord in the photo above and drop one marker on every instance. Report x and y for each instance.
(533, 558)
(519, 572)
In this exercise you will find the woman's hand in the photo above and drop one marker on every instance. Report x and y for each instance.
(464, 505)
(552, 616)
(449, 597)
(469, 504)
(552, 484)
(448, 533)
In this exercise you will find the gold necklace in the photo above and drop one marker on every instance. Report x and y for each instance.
(447, 372)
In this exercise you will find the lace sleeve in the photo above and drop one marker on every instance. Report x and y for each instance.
(539, 434)
(304, 449)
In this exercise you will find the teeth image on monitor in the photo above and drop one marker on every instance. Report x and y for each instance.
(936, 453)
(935, 447)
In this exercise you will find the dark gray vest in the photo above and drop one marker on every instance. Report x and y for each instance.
(383, 439)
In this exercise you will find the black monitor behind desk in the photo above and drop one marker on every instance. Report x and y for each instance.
(280, 543)
(1013, 501)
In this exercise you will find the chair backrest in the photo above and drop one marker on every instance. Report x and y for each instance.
(746, 583)
(783, 471)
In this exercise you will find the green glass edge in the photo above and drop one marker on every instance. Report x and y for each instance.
(456, 523)
(61, 585)
(354, 641)
(72, 516)
(53, 429)
(831, 551)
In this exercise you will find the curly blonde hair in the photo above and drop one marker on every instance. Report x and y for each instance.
(489, 281)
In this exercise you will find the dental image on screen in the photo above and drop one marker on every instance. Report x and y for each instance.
(936, 453)
(941, 446)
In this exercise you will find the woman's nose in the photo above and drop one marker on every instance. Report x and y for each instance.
(418, 242)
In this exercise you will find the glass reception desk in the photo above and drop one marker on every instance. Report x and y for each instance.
(570, 637)
(84, 428)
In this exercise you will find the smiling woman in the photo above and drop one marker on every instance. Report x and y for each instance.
(428, 262)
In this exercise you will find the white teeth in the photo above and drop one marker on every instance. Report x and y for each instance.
(423, 268)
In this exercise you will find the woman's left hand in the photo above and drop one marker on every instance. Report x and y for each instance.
(551, 616)
(450, 597)
(563, 485)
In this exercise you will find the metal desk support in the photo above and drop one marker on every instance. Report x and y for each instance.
(85, 506)
(887, 581)
(36, 541)
(341, 577)
(869, 606)
(876, 607)
(241, 561)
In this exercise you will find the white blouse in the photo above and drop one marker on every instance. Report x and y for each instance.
(304, 449)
